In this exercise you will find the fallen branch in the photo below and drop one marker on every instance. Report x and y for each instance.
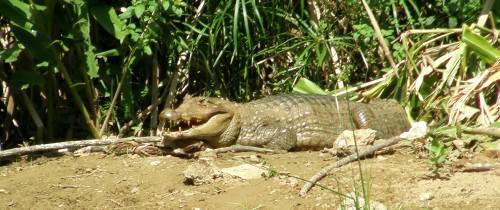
(493, 132)
(380, 37)
(73, 144)
(478, 167)
(323, 172)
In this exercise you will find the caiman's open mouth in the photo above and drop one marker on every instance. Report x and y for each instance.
(212, 125)
(177, 122)
(196, 118)
(182, 125)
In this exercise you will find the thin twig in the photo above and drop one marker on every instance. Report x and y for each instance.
(493, 132)
(478, 167)
(66, 186)
(154, 94)
(324, 171)
(362, 86)
(34, 116)
(141, 115)
(117, 93)
(380, 37)
(485, 12)
(77, 99)
(314, 10)
(124, 75)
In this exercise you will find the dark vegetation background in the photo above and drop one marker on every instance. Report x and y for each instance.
(64, 62)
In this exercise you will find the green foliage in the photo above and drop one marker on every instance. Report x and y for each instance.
(480, 46)
(438, 154)
(70, 56)
(306, 86)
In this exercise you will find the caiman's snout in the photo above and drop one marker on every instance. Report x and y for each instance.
(197, 118)
(180, 120)
(169, 114)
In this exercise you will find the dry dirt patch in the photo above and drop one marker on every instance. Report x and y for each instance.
(124, 182)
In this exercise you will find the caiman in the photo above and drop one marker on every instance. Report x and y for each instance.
(283, 122)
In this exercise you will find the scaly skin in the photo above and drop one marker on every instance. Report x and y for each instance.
(284, 122)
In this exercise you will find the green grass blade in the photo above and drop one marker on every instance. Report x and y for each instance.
(235, 29)
(306, 86)
(245, 23)
(480, 46)
(257, 15)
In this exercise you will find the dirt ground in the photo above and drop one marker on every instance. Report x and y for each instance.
(101, 181)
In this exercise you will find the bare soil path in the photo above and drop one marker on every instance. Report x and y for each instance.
(122, 182)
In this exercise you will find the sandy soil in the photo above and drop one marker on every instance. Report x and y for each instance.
(103, 181)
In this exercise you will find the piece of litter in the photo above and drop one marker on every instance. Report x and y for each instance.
(245, 171)
(418, 130)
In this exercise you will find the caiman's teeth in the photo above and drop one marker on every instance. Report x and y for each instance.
(168, 130)
(189, 123)
(198, 121)
(180, 129)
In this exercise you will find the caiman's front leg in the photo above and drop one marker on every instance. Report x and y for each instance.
(272, 137)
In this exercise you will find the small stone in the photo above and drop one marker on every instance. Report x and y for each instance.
(255, 159)
(4, 191)
(155, 163)
(425, 196)
(201, 172)
(292, 182)
(245, 171)
(350, 204)
(381, 158)
(363, 137)
(134, 190)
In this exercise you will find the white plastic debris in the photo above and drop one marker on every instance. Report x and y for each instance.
(418, 130)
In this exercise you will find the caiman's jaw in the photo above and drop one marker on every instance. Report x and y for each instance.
(197, 118)
(197, 129)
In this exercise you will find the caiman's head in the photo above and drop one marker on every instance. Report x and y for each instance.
(201, 118)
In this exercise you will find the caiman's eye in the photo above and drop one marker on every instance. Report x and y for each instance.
(202, 101)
